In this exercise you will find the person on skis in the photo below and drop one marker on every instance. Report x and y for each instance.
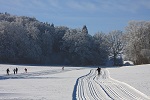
(7, 71)
(99, 70)
(25, 70)
(16, 70)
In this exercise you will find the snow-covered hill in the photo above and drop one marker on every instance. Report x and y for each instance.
(53, 83)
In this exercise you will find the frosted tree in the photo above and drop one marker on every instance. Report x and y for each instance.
(79, 46)
(100, 48)
(24, 39)
(14, 42)
(84, 30)
(138, 41)
(116, 44)
(59, 33)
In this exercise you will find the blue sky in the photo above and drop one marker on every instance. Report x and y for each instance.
(97, 15)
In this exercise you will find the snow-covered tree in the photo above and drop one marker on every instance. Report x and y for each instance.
(24, 39)
(116, 44)
(100, 48)
(138, 41)
(84, 30)
(79, 47)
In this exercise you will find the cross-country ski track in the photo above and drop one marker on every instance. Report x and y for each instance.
(76, 83)
(103, 87)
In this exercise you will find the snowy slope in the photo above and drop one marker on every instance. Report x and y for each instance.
(53, 83)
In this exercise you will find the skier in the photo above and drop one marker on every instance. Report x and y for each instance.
(7, 71)
(99, 70)
(63, 68)
(16, 70)
(25, 70)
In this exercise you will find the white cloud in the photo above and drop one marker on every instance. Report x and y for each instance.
(132, 6)
(127, 5)
(74, 8)
(82, 5)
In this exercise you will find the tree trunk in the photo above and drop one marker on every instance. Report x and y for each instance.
(115, 59)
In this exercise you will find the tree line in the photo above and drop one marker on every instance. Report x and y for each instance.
(25, 40)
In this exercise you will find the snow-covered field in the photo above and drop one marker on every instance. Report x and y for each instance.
(136, 76)
(53, 83)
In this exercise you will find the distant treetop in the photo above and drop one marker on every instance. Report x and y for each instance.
(84, 30)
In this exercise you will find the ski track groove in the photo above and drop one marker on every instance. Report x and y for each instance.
(103, 87)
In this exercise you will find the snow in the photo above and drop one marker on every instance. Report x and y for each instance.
(53, 83)
(128, 63)
(103, 87)
(136, 76)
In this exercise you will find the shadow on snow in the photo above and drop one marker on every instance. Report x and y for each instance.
(75, 87)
